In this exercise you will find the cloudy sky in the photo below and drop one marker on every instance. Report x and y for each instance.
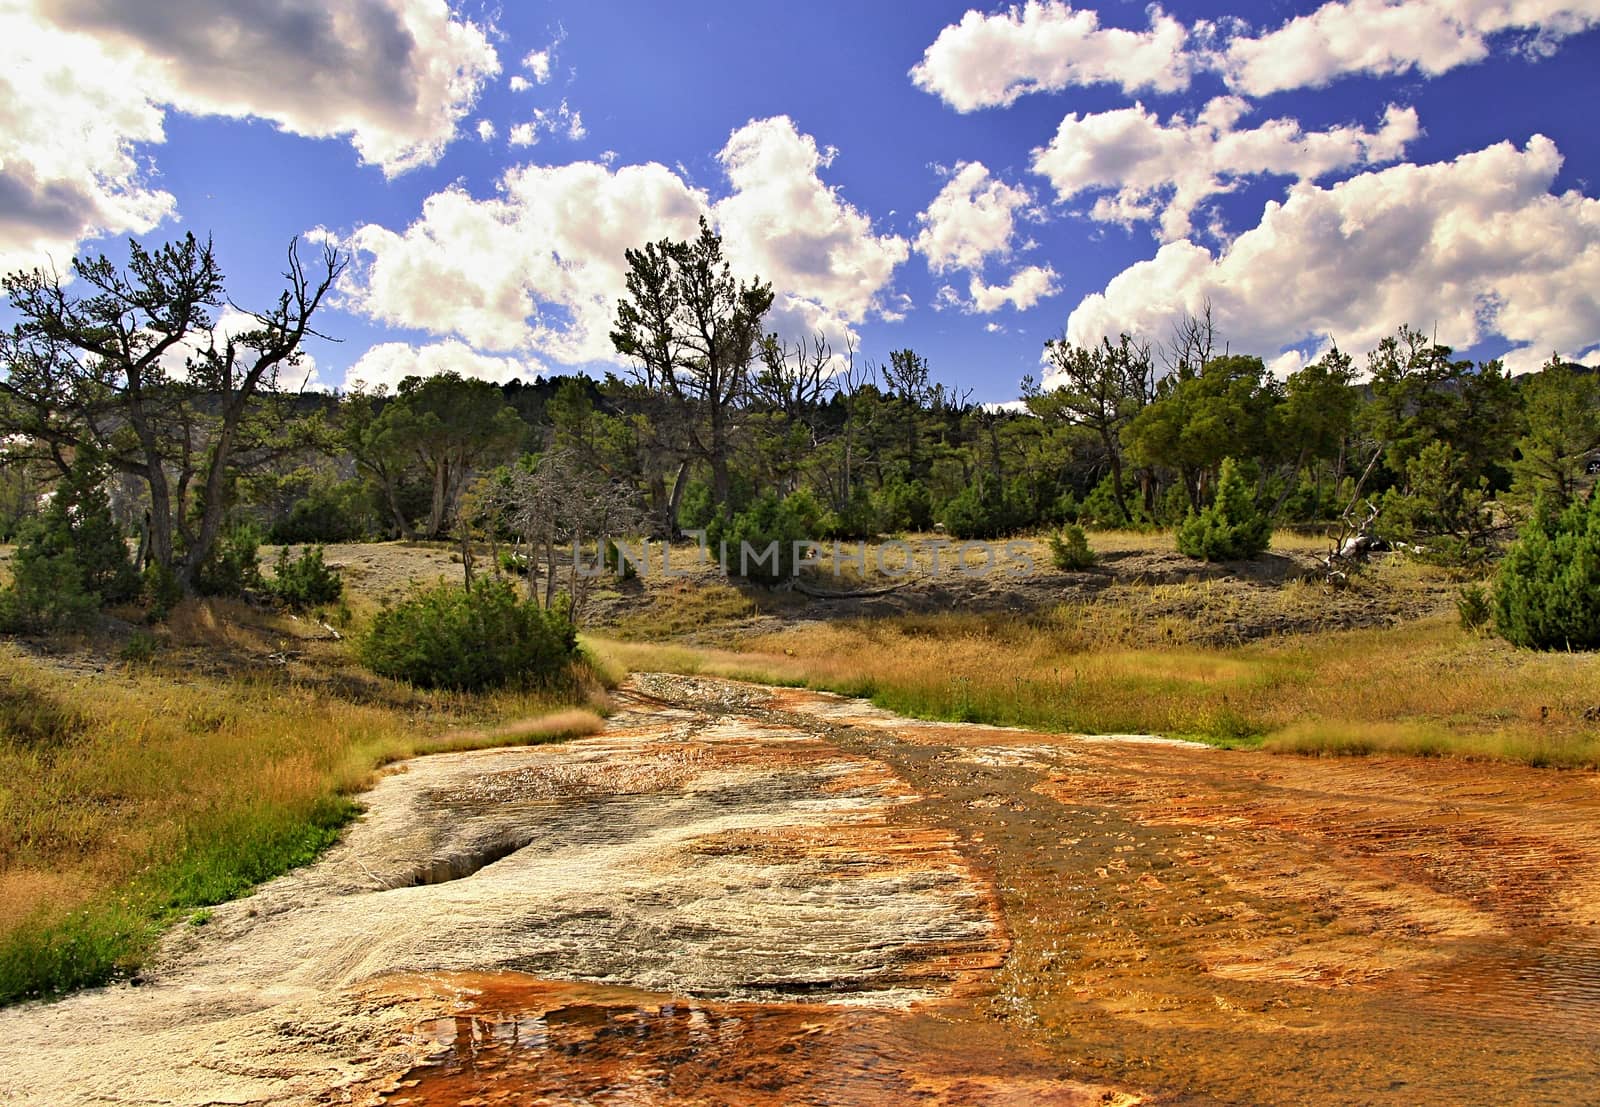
(964, 181)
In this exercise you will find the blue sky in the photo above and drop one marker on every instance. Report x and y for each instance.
(963, 181)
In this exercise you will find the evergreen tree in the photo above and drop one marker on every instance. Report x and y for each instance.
(1547, 594)
(1561, 407)
(1232, 528)
(72, 559)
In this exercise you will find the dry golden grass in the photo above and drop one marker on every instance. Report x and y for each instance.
(128, 794)
(1142, 541)
(677, 608)
(1426, 687)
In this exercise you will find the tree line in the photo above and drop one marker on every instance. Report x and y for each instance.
(118, 385)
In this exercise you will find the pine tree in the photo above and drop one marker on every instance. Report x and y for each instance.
(72, 559)
(1232, 528)
(1547, 593)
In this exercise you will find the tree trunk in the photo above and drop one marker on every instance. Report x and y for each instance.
(550, 571)
(1116, 477)
(721, 486)
(436, 510)
(679, 483)
(215, 508)
(391, 496)
(160, 519)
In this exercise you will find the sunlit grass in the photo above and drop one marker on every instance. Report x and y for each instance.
(132, 796)
(1223, 659)
(1425, 688)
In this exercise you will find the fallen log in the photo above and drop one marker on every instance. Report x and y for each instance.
(866, 593)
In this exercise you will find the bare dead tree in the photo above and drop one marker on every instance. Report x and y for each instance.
(787, 403)
(1351, 539)
(849, 384)
(561, 503)
(1193, 342)
(796, 380)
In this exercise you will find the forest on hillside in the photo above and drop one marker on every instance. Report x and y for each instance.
(121, 403)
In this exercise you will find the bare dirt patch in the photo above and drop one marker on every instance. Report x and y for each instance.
(1139, 579)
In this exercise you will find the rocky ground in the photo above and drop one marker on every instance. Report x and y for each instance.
(744, 895)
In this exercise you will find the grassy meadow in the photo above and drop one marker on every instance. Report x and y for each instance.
(1143, 659)
(134, 795)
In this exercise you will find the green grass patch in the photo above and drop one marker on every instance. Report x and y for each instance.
(220, 859)
(1426, 688)
(131, 800)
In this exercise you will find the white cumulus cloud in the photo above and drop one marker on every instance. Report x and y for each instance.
(70, 133)
(782, 221)
(989, 60)
(971, 224)
(1470, 248)
(1027, 286)
(394, 76)
(1146, 169)
(973, 218)
(537, 269)
(85, 86)
(1387, 37)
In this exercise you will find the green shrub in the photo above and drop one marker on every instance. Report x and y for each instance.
(1442, 512)
(974, 513)
(695, 510)
(305, 581)
(80, 515)
(46, 591)
(858, 519)
(1473, 607)
(1069, 549)
(767, 522)
(330, 511)
(139, 649)
(1306, 502)
(233, 564)
(966, 515)
(1173, 507)
(161, 591)
(1547, 593)
(1066, 508)
(904, 505)
(1099, 505)
(449, 637)
(70, 560)
(1232, 528)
